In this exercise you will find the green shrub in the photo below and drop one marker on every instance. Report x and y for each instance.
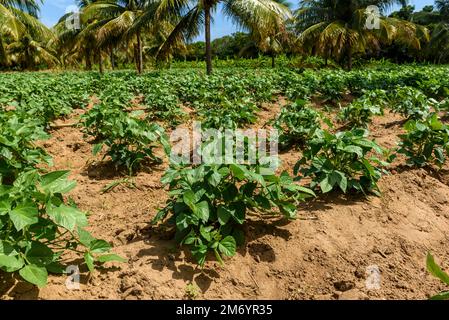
(18, 151)
(411, 103)
(342, 160)
(425, 142)
(209, 203)
(360, 112)
(37, 227)
(296, 123)
(129, 138)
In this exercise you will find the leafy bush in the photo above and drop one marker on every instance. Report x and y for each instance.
(342, 161)
(128, 138)
(359, 113)
(411, 103)
(333, 86)
(18, 151)
(209, 203)
(228, 115)
(297, 123)
(436, 271)
(425, 142)
(37, 227)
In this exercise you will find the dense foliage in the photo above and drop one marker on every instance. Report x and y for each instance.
(124, 116)
(209, 203)
(342, 161)
(425, 142)
(296, 123)
(37, 223)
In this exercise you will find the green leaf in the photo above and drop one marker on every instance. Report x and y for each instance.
(435, 270)
(24, 215)
(326, 185)
(67, 217)
(238, 171)
(10, 263)
(239, 210)
(111, 257)
(354, 149)
(262, 201)
(205, 232)
(339, 178)
(39, 254)
(89, 259)
(85, 237)
(35, 275)
(181, 222)
(441, 296)
(189, 199)
(224, 214)
(99, 246)
(228, 246)
(202, 211)
(215, 179)
(199, 252)
(97, 148)
(56, 182)
(5, 207)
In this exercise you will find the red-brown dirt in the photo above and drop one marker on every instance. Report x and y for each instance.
(325, 254)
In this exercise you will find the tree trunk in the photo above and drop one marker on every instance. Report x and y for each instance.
(111, 56)
(139, 53)
(349, 58)
(208, 40)
(273, 60)
(100, 62)
(88, 60)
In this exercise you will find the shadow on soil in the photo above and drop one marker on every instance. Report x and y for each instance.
(106, 170)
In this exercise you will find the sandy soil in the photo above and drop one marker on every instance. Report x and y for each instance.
(329, 252)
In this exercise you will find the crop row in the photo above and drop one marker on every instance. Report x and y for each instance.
(208, 204)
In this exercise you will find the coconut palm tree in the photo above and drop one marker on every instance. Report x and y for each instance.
(116, 22)
(275, 36)
(193, 15)
(29, 53)
(338, 28)
(439, 41)
(20, 27)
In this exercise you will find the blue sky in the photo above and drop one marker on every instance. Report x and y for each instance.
(52, 10)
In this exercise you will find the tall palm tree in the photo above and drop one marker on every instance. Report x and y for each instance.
(439, 41)
(18, 20)
(337, 28)
(275, 37)
(117, 22)
(193, 15)
(29, 53)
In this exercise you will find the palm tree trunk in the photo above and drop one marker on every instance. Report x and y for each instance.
(139, 53)
(111, 56)
(273, 60)
(208, 40)
(88, 60)
(100, 62)
(3, 56)
(349, 58)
